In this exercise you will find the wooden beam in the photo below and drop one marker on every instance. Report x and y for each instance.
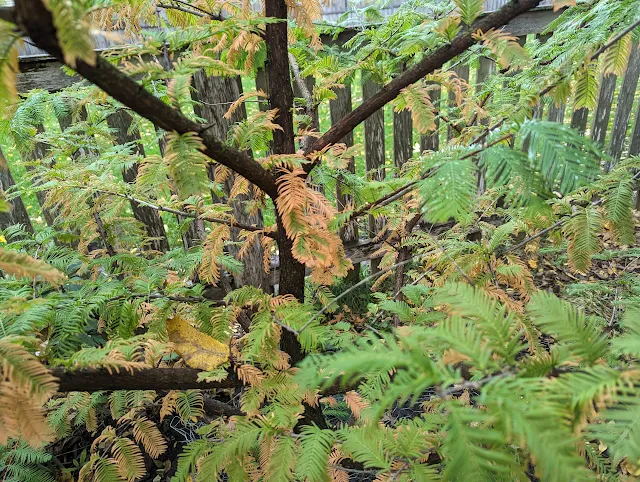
(98, 379)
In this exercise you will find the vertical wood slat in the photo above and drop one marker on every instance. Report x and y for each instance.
(374, 156)
(431, 141)
(634, 144)
(462, 71)
(603, 109)
(579, 119)
(339, 108)
(556, 112)
(18, 213)
(194, 234)
(120, 122)
(486, 68)
(402, 137)
(624, 103)
(40, 151)
(634, 150)
(215, 95)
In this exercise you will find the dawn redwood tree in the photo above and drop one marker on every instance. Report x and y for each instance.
(486, 344)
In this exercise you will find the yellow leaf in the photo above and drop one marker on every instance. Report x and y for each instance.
(197, 349)
(533, 263)
(3, 239)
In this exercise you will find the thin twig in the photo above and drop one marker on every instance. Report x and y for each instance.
(185, 214)
(358, 285)
(537, 235)
(181, 9)
(615, 307)
(161, 296)
(615, 40)
(552, 86)
(450, 258)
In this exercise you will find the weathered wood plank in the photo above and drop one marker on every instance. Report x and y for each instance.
(431, 141)
(374, 155)
(624, 103)
(603, 110)
(339, 108)
(216, 94)
(402, 137)
(462, 71)
(18, 213)
(120, 122)
(579, 119)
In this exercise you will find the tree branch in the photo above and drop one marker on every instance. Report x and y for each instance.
(430, 63)
(98, 379)
(37, 23)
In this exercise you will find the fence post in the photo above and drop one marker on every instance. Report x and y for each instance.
(462, 71)
(603, 109)
(120, 122)
(339, 108)
(625, 103)
(18, 214)
(402, 137)
(216, 95)
(374, 156)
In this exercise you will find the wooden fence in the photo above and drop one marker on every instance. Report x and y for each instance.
(614, 124)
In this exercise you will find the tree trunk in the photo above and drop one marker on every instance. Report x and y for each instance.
(340, 107)
(625, 103)
(215, 95)
(374, 156)
(603, 110)
(18, 213)
(292, 272)
(120, 121)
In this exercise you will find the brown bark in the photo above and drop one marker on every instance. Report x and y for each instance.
(97, 379)
(120, 121)
(292, 272)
